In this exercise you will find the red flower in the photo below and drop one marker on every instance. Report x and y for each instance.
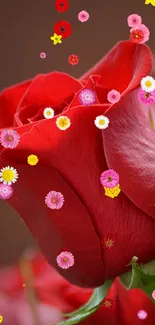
(137, 36)
(71, 162)
(61, 5)
(63, 28)
(73, 59)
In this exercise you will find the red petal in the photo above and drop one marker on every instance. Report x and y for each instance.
(54, 230)
(9, 100)
(129, 145)
(50, 88)
(78, 157)
(131, 302)
(121, 69)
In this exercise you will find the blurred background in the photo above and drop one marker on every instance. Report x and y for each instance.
(25, 30)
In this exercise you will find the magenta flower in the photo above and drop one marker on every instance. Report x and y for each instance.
(146, 97)
(83, 16)
(65, 260)
(134, 20)
(109, 178)
(6, 191)
(54, 200)
(113, 96)
(87, 97)
(9, 139)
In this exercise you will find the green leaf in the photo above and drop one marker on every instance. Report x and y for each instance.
(141, 276)
(90, 307)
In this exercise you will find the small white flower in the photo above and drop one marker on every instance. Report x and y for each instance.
(148, 84)
(101, 122)
(8, 175)
(48, 113)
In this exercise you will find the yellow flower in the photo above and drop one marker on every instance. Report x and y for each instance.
(1, 319)
(32, 160)
(63, 122)
(152, 2)
(112, 192)
(57, 39)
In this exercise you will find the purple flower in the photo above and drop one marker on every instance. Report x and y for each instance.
(87, 97)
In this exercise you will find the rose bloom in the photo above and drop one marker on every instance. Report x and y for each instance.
(54, 296)
(72, 159)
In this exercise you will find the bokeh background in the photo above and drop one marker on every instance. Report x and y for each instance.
(25, 30)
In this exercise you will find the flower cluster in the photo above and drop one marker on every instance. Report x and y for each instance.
(146, 93)
(139, 33)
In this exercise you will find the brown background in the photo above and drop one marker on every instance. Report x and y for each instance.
(25, 30)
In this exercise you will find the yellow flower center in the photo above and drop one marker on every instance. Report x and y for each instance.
(54, 200)
(48, 113)
(10, 138)
(63, 122)
(1, 318)
(8, 175)
(148, 83)
(65, 259)
(101, 122)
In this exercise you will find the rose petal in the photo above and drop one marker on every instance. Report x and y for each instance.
(80, 169)
(121, 69)
(129, 145)
(51, 228)
(9, 100)
(50, 89)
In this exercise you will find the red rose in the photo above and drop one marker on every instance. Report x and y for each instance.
(72, 161)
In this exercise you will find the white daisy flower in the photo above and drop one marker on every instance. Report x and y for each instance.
(8, 175)
(101, 122)
(148, 84)
(48, 113)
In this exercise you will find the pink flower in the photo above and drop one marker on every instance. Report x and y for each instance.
(140, 34)
(109, 178)
(113, 96)
(6, 191)
(83, 16)
(87, 97)
(65, 260)
(153, 294)
(142, 314)
(146, 97)
(42, 55)
(9, 139)
(134, 20)
(54, 200)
